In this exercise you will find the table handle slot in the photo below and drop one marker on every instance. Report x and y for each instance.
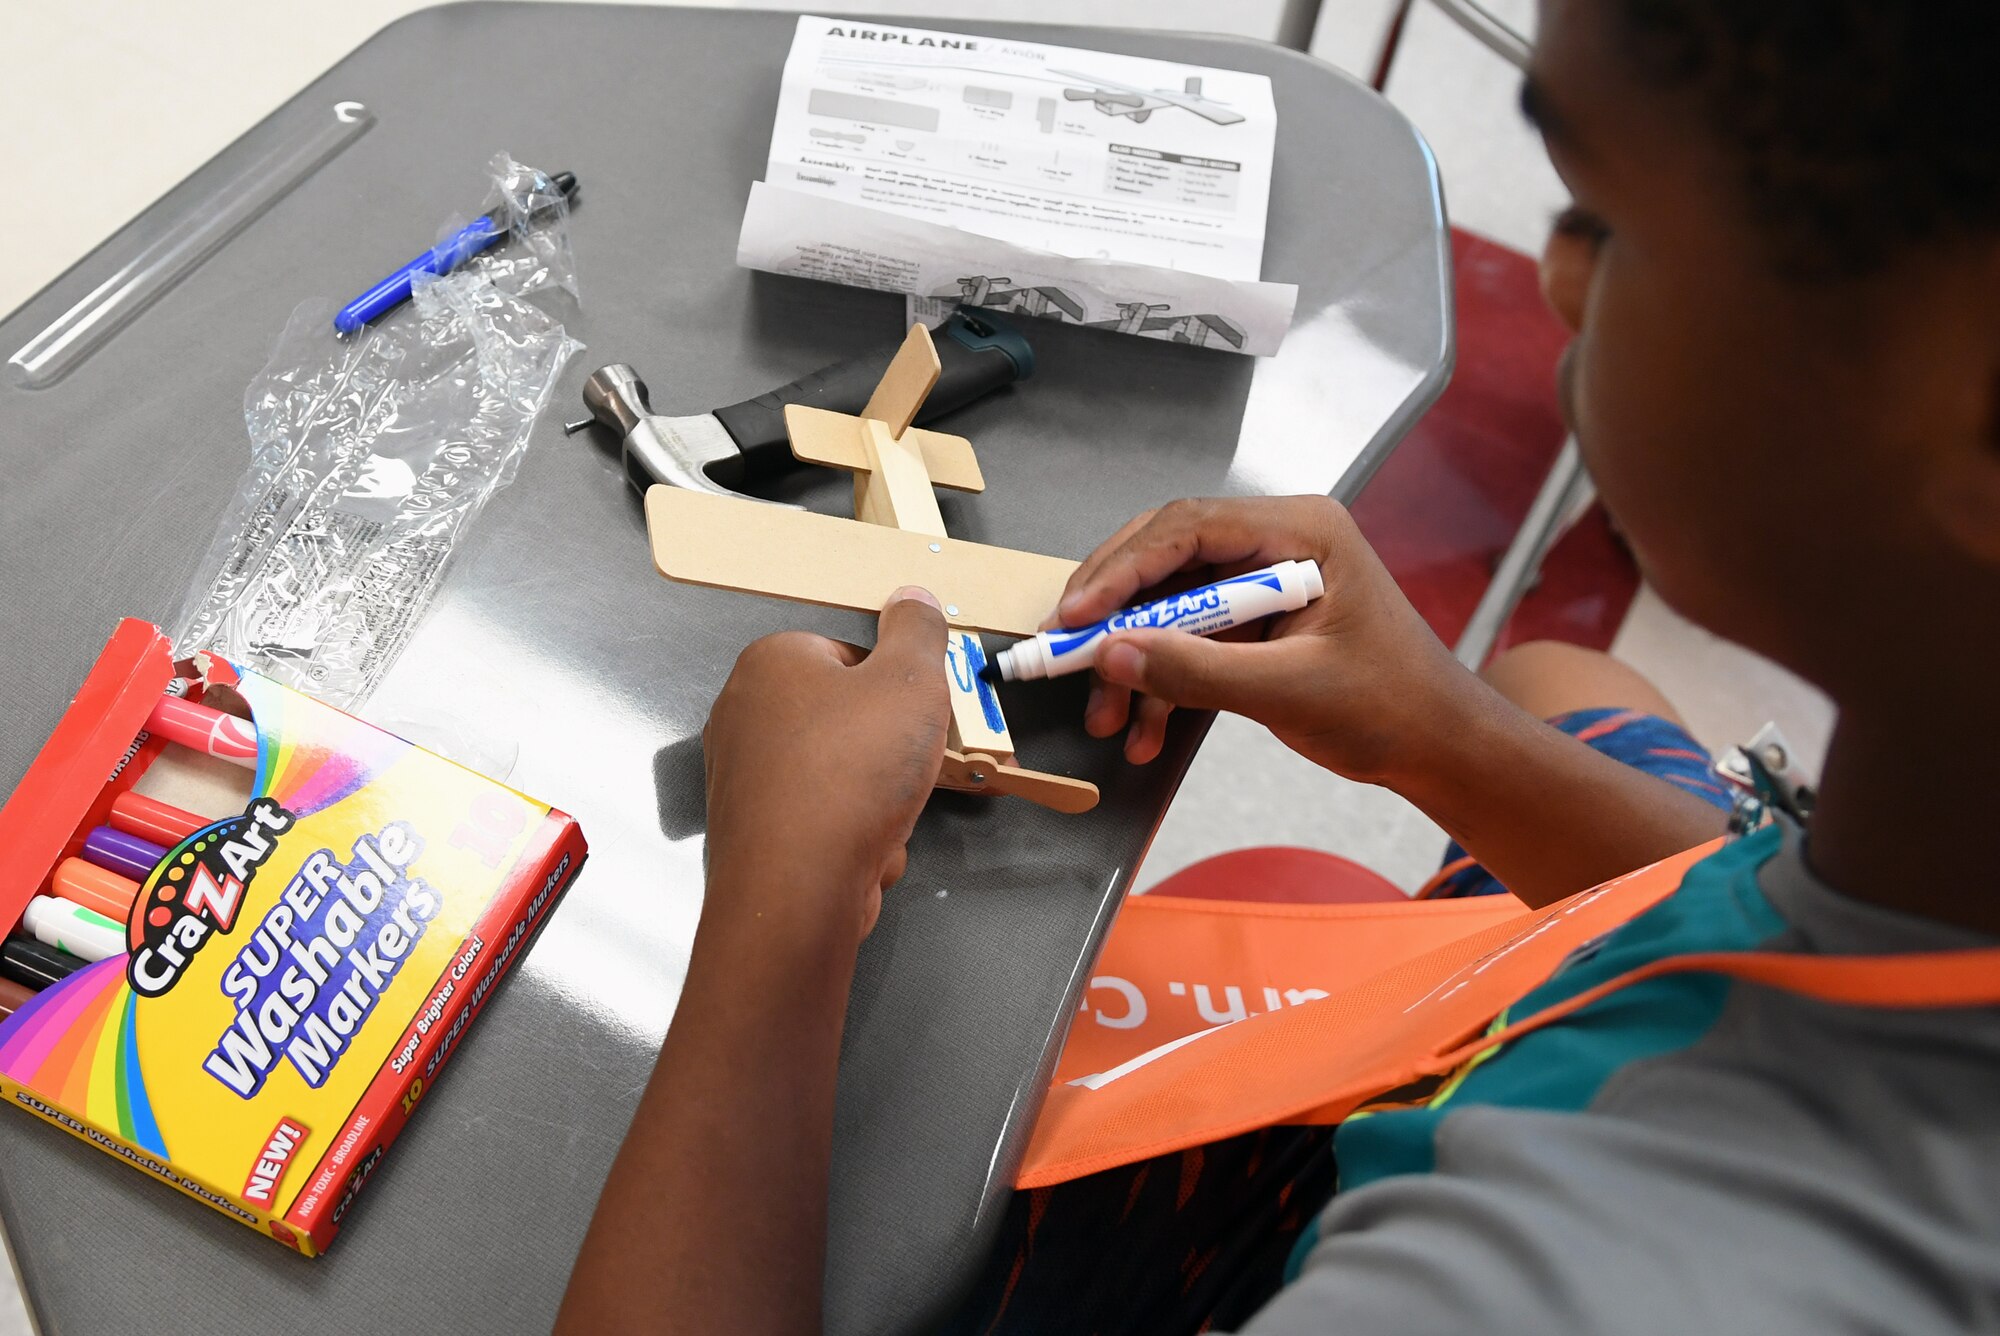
(161, 258)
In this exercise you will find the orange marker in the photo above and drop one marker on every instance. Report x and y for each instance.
(13, 996)
(151, 819)
(94, 888)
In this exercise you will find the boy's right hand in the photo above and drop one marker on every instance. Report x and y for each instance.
(1354, 681)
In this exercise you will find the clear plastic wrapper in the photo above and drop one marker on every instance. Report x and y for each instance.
(371, 454)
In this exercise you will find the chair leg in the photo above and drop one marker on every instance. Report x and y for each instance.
(1564, 493)
(1492, 32)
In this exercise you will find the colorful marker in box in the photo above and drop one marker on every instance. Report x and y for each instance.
(102, 886)
(94, 895)
(68, 926)
(95, 888)
(127, 855)
(151, 819)
(204, 729)
(115, 863)
(25, 960)
(108, 875)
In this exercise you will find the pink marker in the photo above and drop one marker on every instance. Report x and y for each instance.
(205, 730)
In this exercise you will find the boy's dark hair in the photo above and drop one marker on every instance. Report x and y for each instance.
(1864, 127)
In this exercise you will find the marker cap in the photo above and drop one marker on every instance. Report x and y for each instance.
(127, 855)
(205, 729)
(28, 961)
(150, 819)
(70, 927)
(95, 888)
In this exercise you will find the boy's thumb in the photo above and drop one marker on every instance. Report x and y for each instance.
(911, 630)
(1179, 668)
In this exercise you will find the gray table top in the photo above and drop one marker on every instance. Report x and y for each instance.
(554, 633)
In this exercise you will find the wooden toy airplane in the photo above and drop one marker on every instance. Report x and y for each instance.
(896, 538)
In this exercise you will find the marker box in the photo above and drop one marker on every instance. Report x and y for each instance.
(297, 971)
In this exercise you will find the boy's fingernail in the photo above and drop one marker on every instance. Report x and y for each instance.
(1122, 663)
(1095, 703)
(1066, 610)
(917, 594)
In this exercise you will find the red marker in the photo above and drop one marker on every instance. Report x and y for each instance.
(204, 729)
(151, 819)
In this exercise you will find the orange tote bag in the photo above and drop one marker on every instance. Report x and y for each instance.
(1206, 1019)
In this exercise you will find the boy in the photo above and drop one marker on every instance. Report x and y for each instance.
(1783, 267)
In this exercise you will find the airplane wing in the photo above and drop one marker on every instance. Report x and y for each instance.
(1102, 85)
(1200, 106)
(1156, 97)
(729, 543)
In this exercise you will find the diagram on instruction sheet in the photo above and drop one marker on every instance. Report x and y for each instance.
(1121, 99)
(1156, 320)
(1045, 302)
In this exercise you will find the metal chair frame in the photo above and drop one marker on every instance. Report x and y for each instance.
(1567, 490)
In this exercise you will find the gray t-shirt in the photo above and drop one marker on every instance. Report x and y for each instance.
(1798, 1167)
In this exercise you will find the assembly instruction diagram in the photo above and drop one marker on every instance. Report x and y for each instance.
(1117, 99)
(1048, 302)
(1082, 186)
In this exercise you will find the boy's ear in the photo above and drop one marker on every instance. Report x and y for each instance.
(1964, 486)
(1965, 492)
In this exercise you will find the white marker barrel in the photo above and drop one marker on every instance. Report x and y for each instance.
(68, 926)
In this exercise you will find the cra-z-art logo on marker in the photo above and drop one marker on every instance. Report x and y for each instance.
(199, 894)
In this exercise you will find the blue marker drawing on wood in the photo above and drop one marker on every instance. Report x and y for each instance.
(966, 656)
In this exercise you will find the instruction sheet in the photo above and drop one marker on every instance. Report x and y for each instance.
(1080, 186)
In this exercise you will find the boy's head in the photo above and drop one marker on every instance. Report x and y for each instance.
(1784, 267)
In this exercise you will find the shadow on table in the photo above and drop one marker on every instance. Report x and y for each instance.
(680, 786)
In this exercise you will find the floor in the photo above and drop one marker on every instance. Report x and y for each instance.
(112, 102)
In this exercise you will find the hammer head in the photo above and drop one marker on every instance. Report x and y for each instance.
(674, 451)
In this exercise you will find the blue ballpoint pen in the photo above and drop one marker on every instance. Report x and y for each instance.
(478, 235)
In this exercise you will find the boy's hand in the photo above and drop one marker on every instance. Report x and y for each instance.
(819, 757)
(1354, 681)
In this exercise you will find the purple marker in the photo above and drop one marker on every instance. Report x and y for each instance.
(127, 855)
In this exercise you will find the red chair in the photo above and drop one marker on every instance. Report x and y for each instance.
(1279, 874)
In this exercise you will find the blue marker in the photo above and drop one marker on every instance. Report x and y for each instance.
(478, 235)
(1285, 587)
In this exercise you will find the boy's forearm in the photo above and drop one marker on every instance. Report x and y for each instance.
(713, 1218)
(1543, 812)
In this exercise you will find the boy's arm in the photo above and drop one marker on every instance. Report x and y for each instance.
(713, 1218)
(1543, 812)
(1356, 682)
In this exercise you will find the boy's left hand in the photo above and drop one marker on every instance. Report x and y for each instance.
(819, 757)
